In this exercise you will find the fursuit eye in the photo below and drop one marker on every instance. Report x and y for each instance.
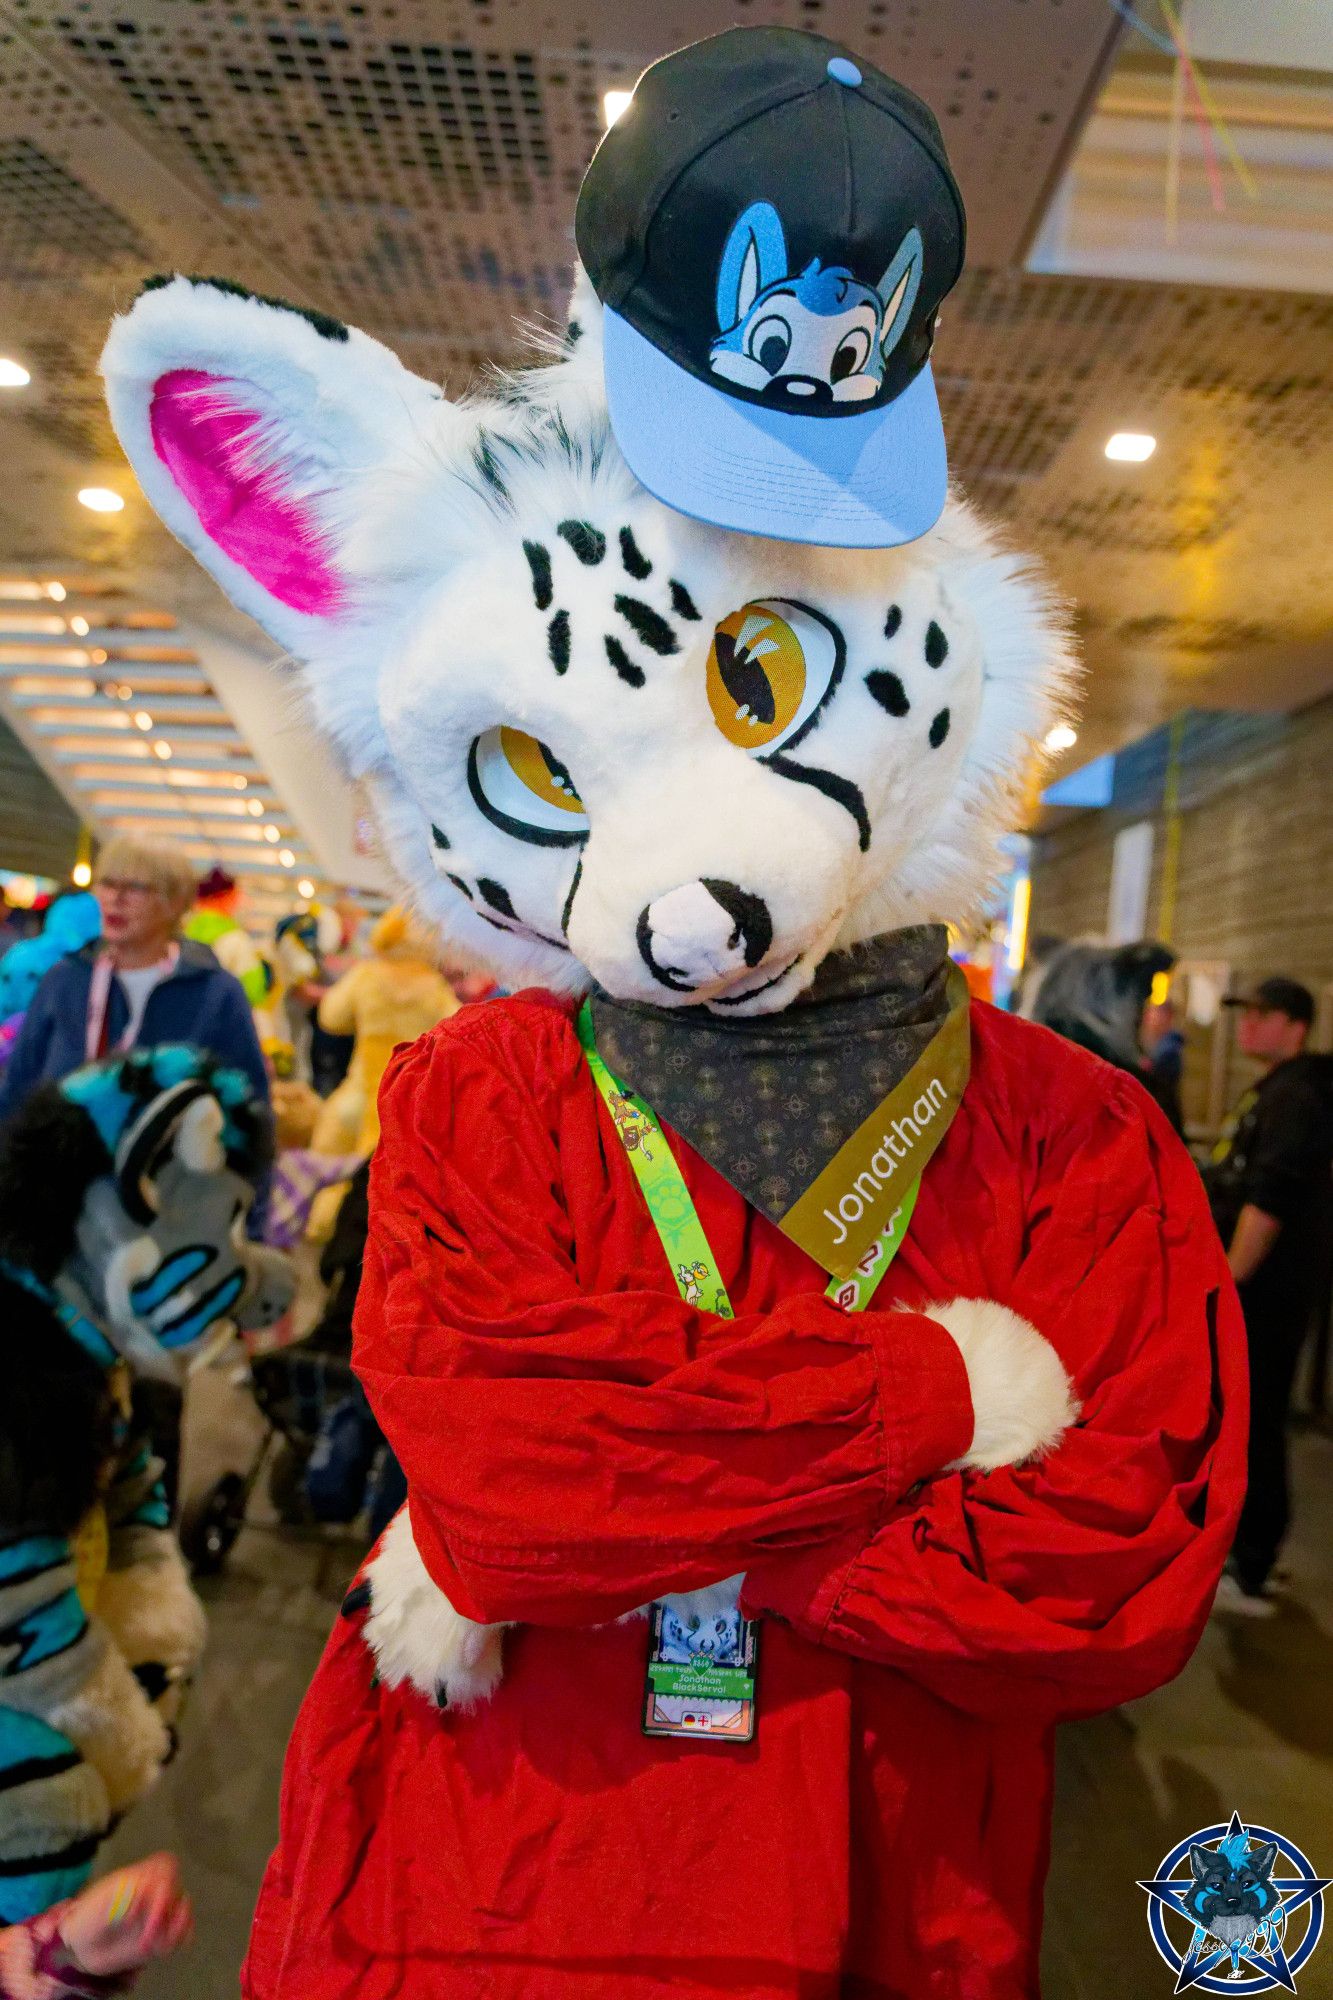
(523, 788)
(769, 342)
(853, 351)
(771, 668)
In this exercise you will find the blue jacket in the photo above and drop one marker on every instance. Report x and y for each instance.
(198, 1003)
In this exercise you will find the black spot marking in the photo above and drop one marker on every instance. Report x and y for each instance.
(497, 896)
(682, 603)
(567, 912)
(937, 646)
(539, 562)
(460, 885)
(893, 621)
(841, 790)
(649, 625)
(587, 542)
(557, 641)
(939, 729)
(325, 325)
(888, 691)
(438, 839)
(573, 334)
(623, 664)
(633, 557)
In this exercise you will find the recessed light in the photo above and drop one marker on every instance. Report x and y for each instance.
(1062, 737)
(615, 104)
(13, 375)
(287, 858)
(142, 719)
(305, 887)
(162, 750)
(255, 808)
(79, 625)
(240, 782)
(101, 500)
(1131, 447)
(271, 833)
(56, 591)
(81, 874)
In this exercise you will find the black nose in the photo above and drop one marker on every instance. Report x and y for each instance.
(803, 390)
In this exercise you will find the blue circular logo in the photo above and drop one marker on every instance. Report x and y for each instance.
(843, 70)
(1235, 1909)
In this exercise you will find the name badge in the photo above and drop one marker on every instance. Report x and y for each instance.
(700, 1679)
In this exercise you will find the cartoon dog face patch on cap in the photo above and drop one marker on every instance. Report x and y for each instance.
(802, 339)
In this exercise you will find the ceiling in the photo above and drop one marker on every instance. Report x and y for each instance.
(412, 164)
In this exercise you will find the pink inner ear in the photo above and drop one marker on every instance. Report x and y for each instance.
(201, 440)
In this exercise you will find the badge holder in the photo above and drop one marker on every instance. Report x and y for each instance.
(701, 1684)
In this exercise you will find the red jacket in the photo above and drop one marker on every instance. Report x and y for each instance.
(577, 1441)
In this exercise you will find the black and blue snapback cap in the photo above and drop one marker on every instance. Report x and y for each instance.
(771, 226)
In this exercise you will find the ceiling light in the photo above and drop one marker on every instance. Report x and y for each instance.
(255, 808)
(1132, 447)
(271, 833)
(81, 875)
(13, 375)
(287, 858)
(616, 103)
(239, 782)
(142, 719)
(56, 591)
(162, 750)
(79, 625)
(101, 500)
(1062, 737)
(305, 887)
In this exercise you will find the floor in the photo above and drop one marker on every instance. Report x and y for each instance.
(1248, 1725)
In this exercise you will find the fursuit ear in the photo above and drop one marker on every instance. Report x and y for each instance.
(250, 426)
(754, 256)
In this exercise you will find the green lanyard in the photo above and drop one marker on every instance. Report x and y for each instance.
(676, 1219)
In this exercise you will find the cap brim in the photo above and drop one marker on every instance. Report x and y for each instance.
(868, 481)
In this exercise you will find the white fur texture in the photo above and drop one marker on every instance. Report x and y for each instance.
(115, 1727)
(198, 1141)
(152, 1612)
(424, 508)
(1022, 1399)
(417, 1636)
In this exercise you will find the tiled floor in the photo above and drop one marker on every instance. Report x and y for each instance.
(1248, 1725)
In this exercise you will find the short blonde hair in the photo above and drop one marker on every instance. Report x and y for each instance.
(126, 859)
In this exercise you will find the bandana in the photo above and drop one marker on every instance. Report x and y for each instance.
(769, 1100)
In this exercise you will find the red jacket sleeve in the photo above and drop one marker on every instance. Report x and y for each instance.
(571, 1454)
(1069, 1586)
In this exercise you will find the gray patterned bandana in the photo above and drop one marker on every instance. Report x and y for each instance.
(770, 1099)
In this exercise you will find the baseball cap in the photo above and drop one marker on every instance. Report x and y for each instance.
(771, 226)
(1278, 996)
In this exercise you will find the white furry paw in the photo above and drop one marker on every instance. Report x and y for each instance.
(150, 1608)
(1022, 1399)
(417, 1636)
(112, 1723)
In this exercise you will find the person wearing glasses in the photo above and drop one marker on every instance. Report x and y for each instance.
(142, 984)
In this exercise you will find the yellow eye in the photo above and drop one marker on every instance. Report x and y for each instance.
(771, 666)
(523, 787)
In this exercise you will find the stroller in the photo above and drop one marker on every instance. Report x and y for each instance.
(330, 1459)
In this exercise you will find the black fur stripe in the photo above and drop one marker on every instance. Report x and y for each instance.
(587, 542)
(568, 910)
(557, 641)
(497, 896)
(633, 557)
(539, 562)
(841, 790)
(682, 603)
(23, 1773)
(623, 664)
(650, 625)
(72, 1856)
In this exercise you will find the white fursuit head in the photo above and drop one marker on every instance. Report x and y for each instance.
(602, 741)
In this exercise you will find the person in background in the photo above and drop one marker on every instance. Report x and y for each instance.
(1163, 1046)
(140, 986)
(1268, 1184)
(213, 921)
(99, 1941)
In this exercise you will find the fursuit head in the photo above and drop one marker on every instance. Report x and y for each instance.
(603, 742)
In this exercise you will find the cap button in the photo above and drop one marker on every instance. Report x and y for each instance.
(843, 70)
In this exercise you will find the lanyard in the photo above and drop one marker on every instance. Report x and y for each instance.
(96, 1038)
(676, 1219)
